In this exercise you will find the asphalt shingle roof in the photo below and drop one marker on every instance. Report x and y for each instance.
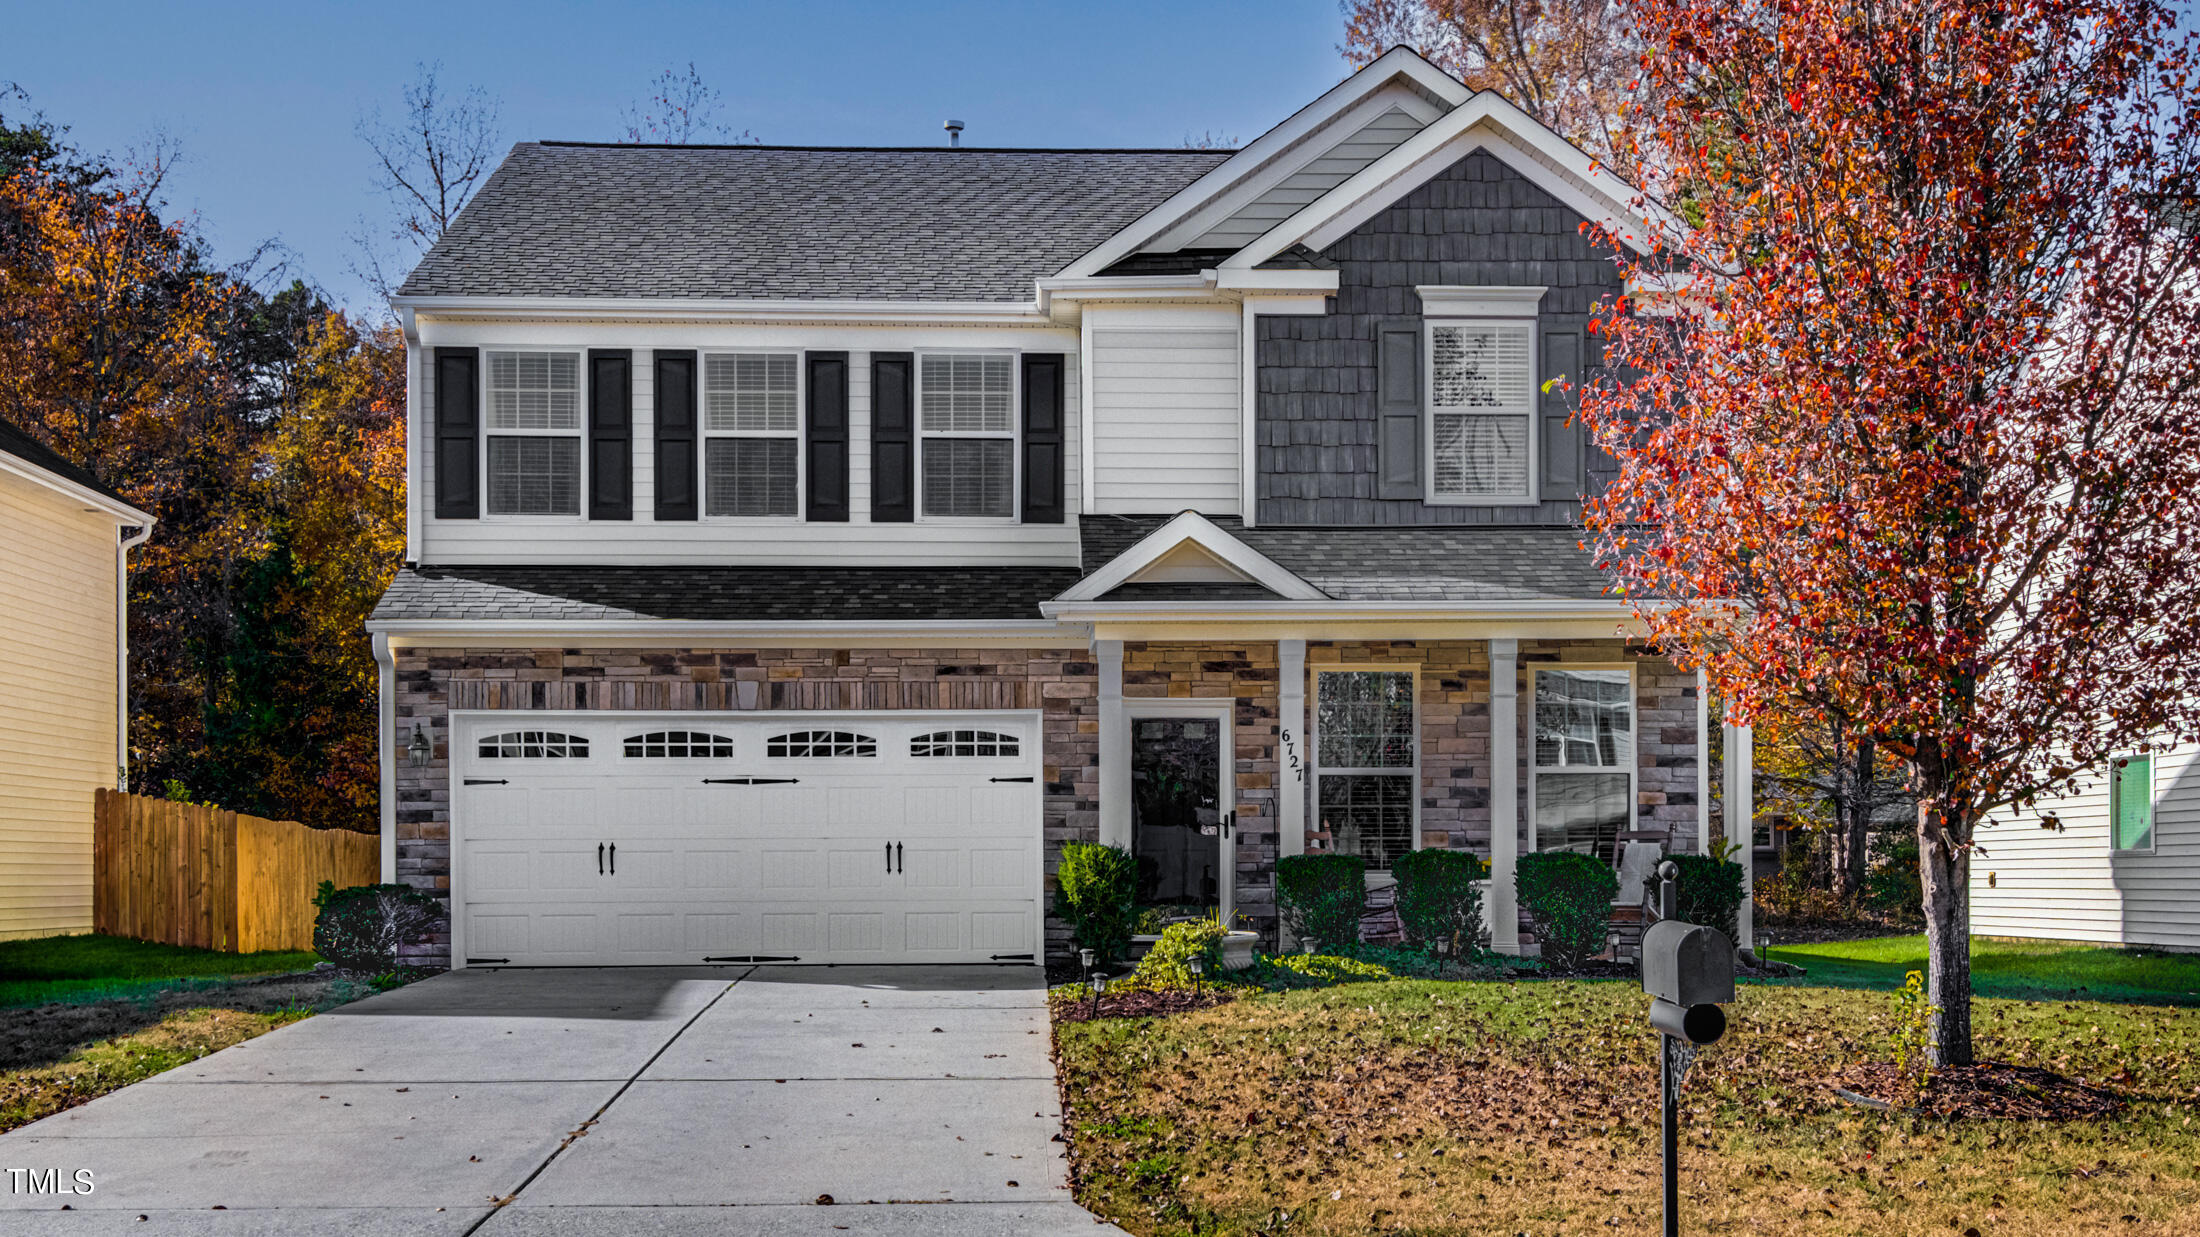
(722, 594)
(766, 222)
(1436, 564)
(14, 441)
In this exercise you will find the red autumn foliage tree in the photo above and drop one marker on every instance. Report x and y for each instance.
(1927, 426)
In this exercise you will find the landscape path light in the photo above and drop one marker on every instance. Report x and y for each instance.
(1688, 972)
(1198, 967)
(1099, 989)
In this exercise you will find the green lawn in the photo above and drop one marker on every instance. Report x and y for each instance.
(2003, 967)
(1472, 1108)
(89, 967)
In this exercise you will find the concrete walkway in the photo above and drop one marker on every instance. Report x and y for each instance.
(767, 1100)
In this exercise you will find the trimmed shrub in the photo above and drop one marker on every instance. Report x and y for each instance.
(361, 928)
(1438, 900)
(1322, 898)
(1286, 972)
(1569, 896)
(1708, 891)
(1166, 967)
(1095, 892)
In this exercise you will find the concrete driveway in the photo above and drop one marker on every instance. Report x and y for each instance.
(519, 1102)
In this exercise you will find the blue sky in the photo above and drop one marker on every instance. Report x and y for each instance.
(263, 98)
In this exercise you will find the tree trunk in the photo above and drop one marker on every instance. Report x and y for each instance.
(1849, 857)
(1945, 866)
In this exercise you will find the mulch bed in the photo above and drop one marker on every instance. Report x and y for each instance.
(1986, 1092)
(1139, 1005)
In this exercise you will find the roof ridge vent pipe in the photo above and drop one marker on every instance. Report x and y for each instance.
(954, 132)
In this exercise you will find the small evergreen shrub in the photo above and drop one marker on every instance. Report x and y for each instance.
(1569, 897)
(361, 928)
(1708, 891)
(1287, 972)
(1322, 898)
(1438, 900)
(1095, 892)
(1166, 967)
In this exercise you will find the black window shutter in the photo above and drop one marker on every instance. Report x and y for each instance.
(1045, 380)
(457, 434)
(675, 435)
(610, 434)
(826, 431)
(1398, 409)
(893, 437)
(1561, 443)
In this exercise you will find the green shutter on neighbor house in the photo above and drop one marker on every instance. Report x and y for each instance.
(2131, 802)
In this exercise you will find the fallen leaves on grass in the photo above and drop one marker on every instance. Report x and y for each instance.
(1987, 1092)
(1138, 1005)
(26, 1095)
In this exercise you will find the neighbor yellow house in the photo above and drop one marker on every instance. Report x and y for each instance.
(64, 660)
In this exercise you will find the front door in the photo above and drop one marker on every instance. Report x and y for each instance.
(1183, 829)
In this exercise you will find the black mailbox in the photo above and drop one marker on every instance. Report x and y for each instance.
(1687, 964)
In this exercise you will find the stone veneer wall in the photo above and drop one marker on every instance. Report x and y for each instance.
(1061, 683)
(1244, 673)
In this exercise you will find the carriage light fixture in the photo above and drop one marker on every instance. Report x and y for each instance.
(418, 748)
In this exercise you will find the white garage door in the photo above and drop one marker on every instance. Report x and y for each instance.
(590, 839)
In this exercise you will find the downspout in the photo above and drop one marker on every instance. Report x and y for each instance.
(386, 700)
(122, 651)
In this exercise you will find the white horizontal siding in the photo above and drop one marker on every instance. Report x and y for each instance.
(1167, 419)
(644, 541)
(2067, 884)
(1332, 168)
(57, 703)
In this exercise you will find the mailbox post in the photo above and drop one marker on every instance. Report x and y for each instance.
(1688, 972)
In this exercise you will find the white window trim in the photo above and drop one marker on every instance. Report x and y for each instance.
(2154, 786)
(579, 434)
(705, 434)
(1536, 772)
(1430, 321)
(1015, 436)
(1320, 770)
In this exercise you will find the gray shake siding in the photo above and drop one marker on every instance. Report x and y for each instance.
(1477, 223)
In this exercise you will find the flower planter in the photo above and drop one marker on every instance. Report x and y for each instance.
(1237, 948)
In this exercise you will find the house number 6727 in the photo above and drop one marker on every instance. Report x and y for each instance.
(1291, 756)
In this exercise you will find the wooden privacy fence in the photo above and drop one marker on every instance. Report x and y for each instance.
(184, 874)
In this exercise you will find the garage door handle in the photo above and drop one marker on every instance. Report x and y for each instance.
(889, 857)
(599, 859)
(750, 781)
(1011, 779)
(899, 866)
(487, 781)
(614, 858)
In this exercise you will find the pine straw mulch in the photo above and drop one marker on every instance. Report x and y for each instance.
(1989, 1091)
(1139, 1005)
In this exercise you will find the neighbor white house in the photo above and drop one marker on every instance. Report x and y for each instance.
(2122, 868)
(64, 660)
(807, 542)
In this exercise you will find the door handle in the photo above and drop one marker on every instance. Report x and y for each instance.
(899, 865)
(1229, 823)
(889, 857)
(599, 859)
(614, 858)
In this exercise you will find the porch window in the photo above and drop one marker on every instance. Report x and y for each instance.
(1481, 409)
(752, 434)
(1366, 758)
(534, 433)
(1584, 769)
(966, 417)
(2131, 802)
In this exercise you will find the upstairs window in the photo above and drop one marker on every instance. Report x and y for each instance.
(2131, 803)
(752, 434)
(1481, 393)
(966, 419)
(533, 745)
(534, 433)
(816, 743)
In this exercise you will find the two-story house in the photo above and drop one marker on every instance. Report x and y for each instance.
(806, 542)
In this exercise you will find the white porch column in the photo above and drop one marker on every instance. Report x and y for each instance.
(1703, 764)
(1502, 904)
(1115, 747)
(385, 696)
(1291, 753)
(1741, 821)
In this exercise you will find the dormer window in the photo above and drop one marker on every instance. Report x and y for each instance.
(966, 418)
(534, 433)
(752, 435)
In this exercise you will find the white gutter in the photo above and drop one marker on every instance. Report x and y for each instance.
(1208, 285)
(657, 309)
(1291, 611)
(570, 632)
(85, 494)
(122, 650)
(386, 760)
